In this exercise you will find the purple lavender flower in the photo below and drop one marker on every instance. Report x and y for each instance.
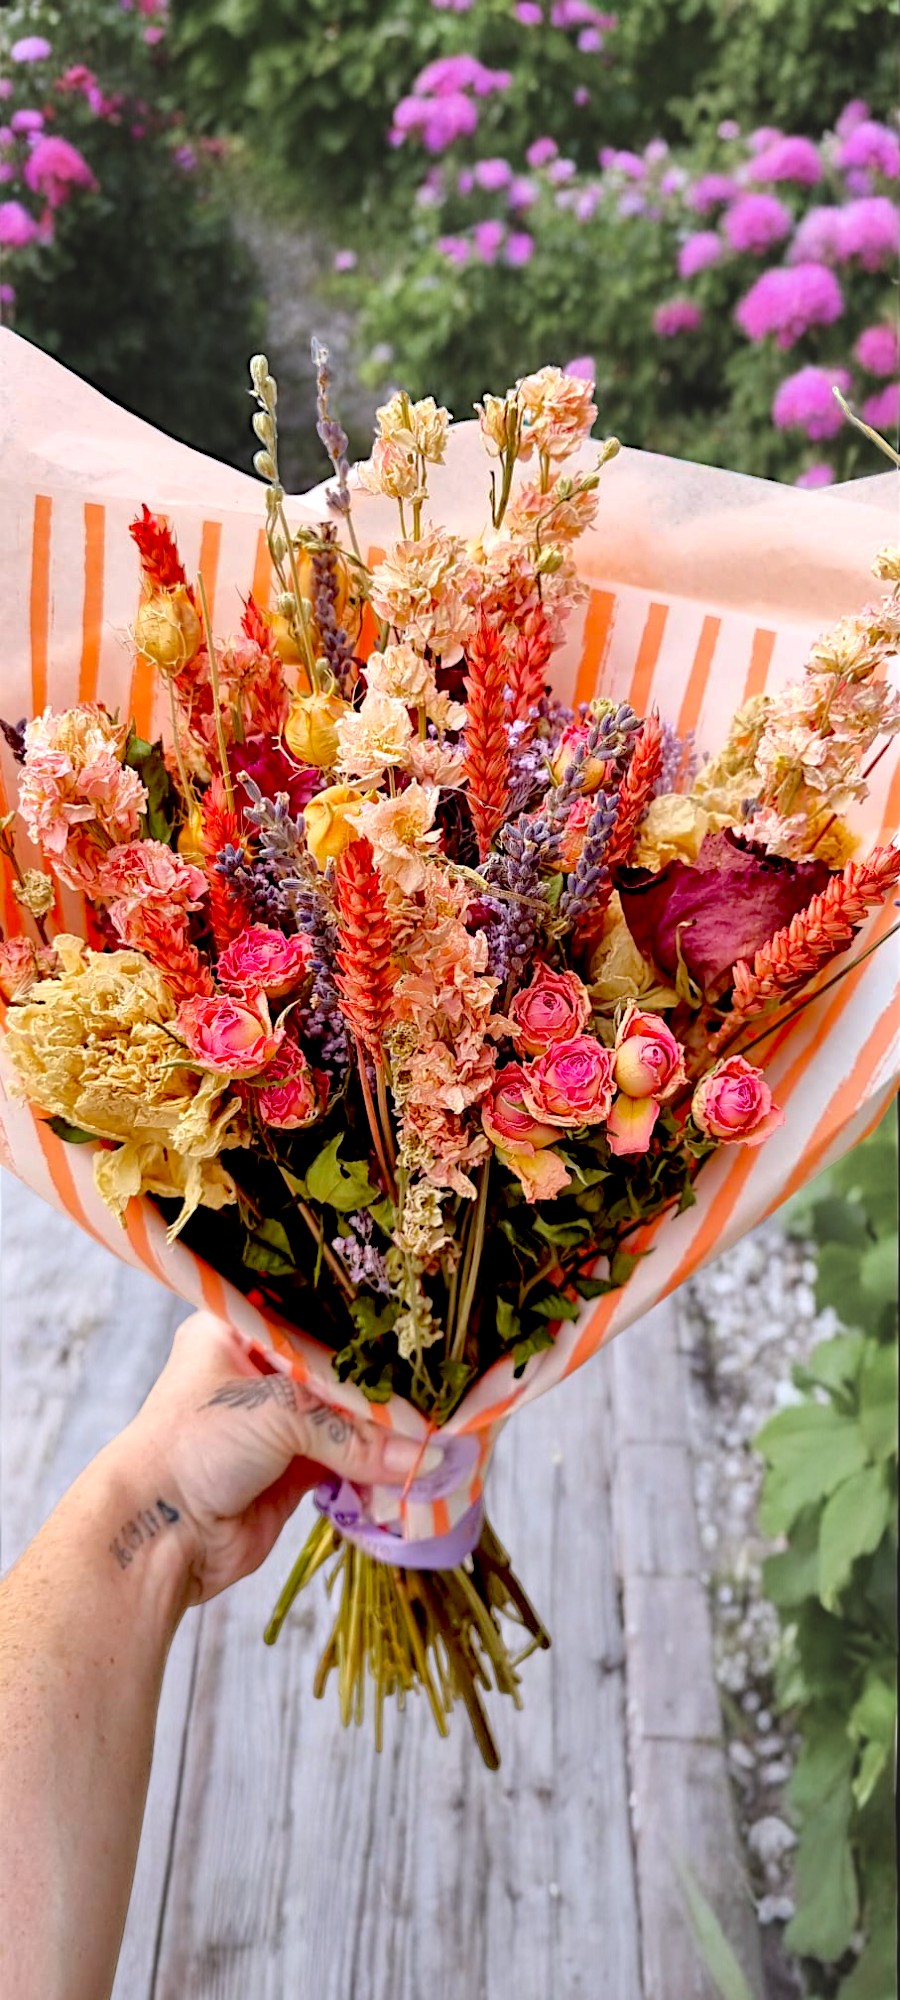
(519, 912)
(357, 1252)
(805, 402)
(331, 433)
(788, 301)
(698, 252)
(336, 645)
(678, 762)
(755, 221)
(590, 872)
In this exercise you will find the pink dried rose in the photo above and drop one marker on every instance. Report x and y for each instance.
(572, 1084)
(290, 1096)
(733, 1104)
(647, 1068)
(260, 960)
(734, 892)
(552, 1009)
(523, 1143)
(228, 1035)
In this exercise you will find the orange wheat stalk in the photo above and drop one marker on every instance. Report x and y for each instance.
(635, 793)
(816, 934)
(486, 767)
(529, 664)
(228, 912)
(366, 972)
(171, 950)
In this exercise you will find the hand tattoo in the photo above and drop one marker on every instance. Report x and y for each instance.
(144, 1526)
(256, 1390)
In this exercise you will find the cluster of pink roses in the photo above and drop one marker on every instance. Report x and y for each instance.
(573, 1080)
(233, 1034)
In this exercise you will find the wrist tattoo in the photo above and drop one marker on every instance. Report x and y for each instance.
(143, 1527)
(256, 1390)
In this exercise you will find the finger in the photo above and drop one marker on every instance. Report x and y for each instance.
(360, 1452)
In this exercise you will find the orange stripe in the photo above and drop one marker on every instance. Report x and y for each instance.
(441, 1517)
(61, 1175)
(262, 572)
(760, 661)
(689, 712)
(648, 654)
(597, 1326)
(92, 615)
(213, 1289)
(144, 688)
(40, 599)
(368, 634)
(598, 626)
(210, 544)
(139, 1237)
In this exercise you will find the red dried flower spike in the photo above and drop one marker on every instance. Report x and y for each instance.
(366, 972)
(529, 665)
(255, 626)
(635, 793)
(228, 912)
(816, 934)
(161, 564)
(170, 949)
(487, 745)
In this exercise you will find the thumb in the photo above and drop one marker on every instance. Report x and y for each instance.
(360, 1452)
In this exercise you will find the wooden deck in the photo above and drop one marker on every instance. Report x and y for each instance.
(282, 1859)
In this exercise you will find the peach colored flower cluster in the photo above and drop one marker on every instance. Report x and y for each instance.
(427, 590)
(558, 412)
(76, 796)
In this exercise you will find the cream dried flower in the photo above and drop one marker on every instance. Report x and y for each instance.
(496, 416)
(94, 1046)
(558, 412)
(419, 427)
(74, 782)
(402, 834)
(35, 892)
(373, 738)
(391, 471)
(401, 672)
(427, 590)
(887, 563)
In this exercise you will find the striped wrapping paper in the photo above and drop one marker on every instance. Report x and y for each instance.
(705, 587)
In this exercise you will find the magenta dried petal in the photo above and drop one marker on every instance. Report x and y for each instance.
(724, 908)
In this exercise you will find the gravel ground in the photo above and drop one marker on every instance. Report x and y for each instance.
(745, 1320)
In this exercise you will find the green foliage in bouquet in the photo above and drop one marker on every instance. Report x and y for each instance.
(137, 281)
(830, 1488)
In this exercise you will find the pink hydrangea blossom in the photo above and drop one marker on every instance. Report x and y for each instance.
(852, 115)
(788, 301)
(805, 402)
(30, 48)
(698, 252)
(755, 221)
(870, 232)
(519, 248)
(541, 151)
(7, 295)
(529, 13)
(788, 159)
(27, 121)
(584, 366)
(493, 174)
(487, 238)
(54, 167)
(763, 137)
(883, 411)
(522, 192)
(676, 316)
(728, 129)
(711, 191)
(440, 120)
(819, 474)
(872, 147)
(560, 171)
(878, 350)
(344, 260)
(17, 227)
(449, 74)
(456, 249)
(818, 238)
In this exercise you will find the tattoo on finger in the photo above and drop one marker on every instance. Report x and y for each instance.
(250, 1393)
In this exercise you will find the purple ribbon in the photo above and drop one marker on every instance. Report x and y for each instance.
(345, 1508)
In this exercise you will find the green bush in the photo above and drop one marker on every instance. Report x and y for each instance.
(141, 287)
(830, 1488)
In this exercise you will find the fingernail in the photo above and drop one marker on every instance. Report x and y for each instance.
(404, 1455)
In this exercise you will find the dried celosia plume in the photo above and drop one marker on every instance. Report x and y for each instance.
(531, 654)
(487, 744)
(161, 564)
(816, 934)
(365, 970)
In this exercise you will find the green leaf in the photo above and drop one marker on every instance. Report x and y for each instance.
(878, 1400)
(836, 1220)
(873, 1724)
(555, 1305)
(789, 1578)
(853, 1522)
(838, 1285)
(827, 1896)
(834, 1364)
(622, 1265)
(811, 1448)
(509, 1325)
(344, 1184)
(532, 1343)
(874, 1976)
(566, 1235)
(158, 818)
(878, 1271)
(73, 1135)
(871, 1764)
(591, 1288)
(268, 1249)
(718, 1957)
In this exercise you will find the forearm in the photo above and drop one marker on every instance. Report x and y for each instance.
(86, 1620)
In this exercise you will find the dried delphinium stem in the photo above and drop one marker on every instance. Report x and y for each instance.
(335, 440)
(365, 979)
(826, 926)
(486, 741)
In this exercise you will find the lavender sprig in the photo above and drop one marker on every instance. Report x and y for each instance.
(251, 879)
(609, 739)
(529, 847)
(589, 872)
(362, 1262)
(335, 643)
(332, 434)
(678, 768)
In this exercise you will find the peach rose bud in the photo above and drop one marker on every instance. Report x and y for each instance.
(629, 1127)
(260, 960)
(310, 731)
(289, 1098)
(572, 1084)
(553, 1008)
(228, 1035)
(648, 1060)
(734, 1105)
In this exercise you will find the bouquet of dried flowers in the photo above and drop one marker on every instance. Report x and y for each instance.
(410, 994)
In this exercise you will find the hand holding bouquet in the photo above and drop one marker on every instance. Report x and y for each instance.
(412, 995)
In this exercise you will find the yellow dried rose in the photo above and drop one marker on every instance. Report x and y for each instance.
(331, 821)
(310, 731)
(618, 972)
(168, 629)
(672, 830)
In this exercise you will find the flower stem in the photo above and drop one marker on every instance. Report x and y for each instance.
(311, 667)
(374, 1125)
(473, 1259)
(176, 745)
(214, 686)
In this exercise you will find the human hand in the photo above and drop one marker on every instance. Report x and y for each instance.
(234, 1450)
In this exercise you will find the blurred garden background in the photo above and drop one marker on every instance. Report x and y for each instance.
(694, 201)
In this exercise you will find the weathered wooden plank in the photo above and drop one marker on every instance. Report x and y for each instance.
(304, 1863)
(655, 1514)
(82, 1338)
(645, 1382)
(683, 1818)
